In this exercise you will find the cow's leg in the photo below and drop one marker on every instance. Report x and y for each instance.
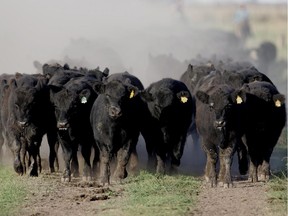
(253, 176)
(225, 166)
(265, 166)
(161, 157)
(150, 148)
(16, 149)
(154, 142)
(210, 170)
(34, 152)
(74, 162)
(177, 153)
(96, 160)
(122, 161)
(53, 147)
(105, 158)
(67, 156)
(86, 153)
(123, 156)
(1, 146)
(133, 161)
(242, 154)
(39, 162)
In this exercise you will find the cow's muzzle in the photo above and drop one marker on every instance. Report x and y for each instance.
(62, 125)
(220, 124)
(114, 112)
(23, 124)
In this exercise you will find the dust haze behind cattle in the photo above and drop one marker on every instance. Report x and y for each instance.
(115, 34)
(120, 35)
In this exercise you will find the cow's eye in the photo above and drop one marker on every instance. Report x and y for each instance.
(229, 106)
(108, 96)
(17, 106)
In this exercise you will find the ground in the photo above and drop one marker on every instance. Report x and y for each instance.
(243, 198)
(48, 196)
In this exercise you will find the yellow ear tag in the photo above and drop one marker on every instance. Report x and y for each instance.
(239, 100)
(184, 99)
(278, 103)
(83, 100)
(132, 94)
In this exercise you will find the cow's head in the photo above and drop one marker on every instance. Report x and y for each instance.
(223, 104)
(195, 73)
(118, 96)
(70, 104)
(24, 101)
(162, 100)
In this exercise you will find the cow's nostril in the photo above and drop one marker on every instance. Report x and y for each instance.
(115, 111)
(22, 123)
(220, 124)
(62, 125)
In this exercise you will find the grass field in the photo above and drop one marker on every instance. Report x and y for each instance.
(12, 191)
(149, 194)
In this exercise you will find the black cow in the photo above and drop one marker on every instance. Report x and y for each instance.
(28, 116)
(114, 119)
(170, 106)
(217, 124)
(137, 106)
(72, 102)
(191, 77)
(263, 121)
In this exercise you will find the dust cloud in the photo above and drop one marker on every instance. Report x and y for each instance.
(124, 35)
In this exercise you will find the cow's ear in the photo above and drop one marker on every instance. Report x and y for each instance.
(55, 88)
(42, 82)
(146, 96)
(133, 91)
(18, 75)
(106, 72)
(13, 83)
(202, 96)
(279, 100)
(3, 82)
(5, 88)
(84, 96)
(183, 96)
(238, 96)
(190, 71)
(127, 81)
(99, 87)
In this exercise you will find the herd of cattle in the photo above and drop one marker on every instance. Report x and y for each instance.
(230, 106)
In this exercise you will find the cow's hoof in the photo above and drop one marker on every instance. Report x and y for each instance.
(86, 178)
(75, 174)
(33, 173)
(18, 168)
(65, 179)
(227, 185)
(104, 180)
(121, 175)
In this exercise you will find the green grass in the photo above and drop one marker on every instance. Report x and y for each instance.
(12, 191)
(149, 194)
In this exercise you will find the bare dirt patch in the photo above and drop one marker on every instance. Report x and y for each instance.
(244, 198)
(49, 196)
